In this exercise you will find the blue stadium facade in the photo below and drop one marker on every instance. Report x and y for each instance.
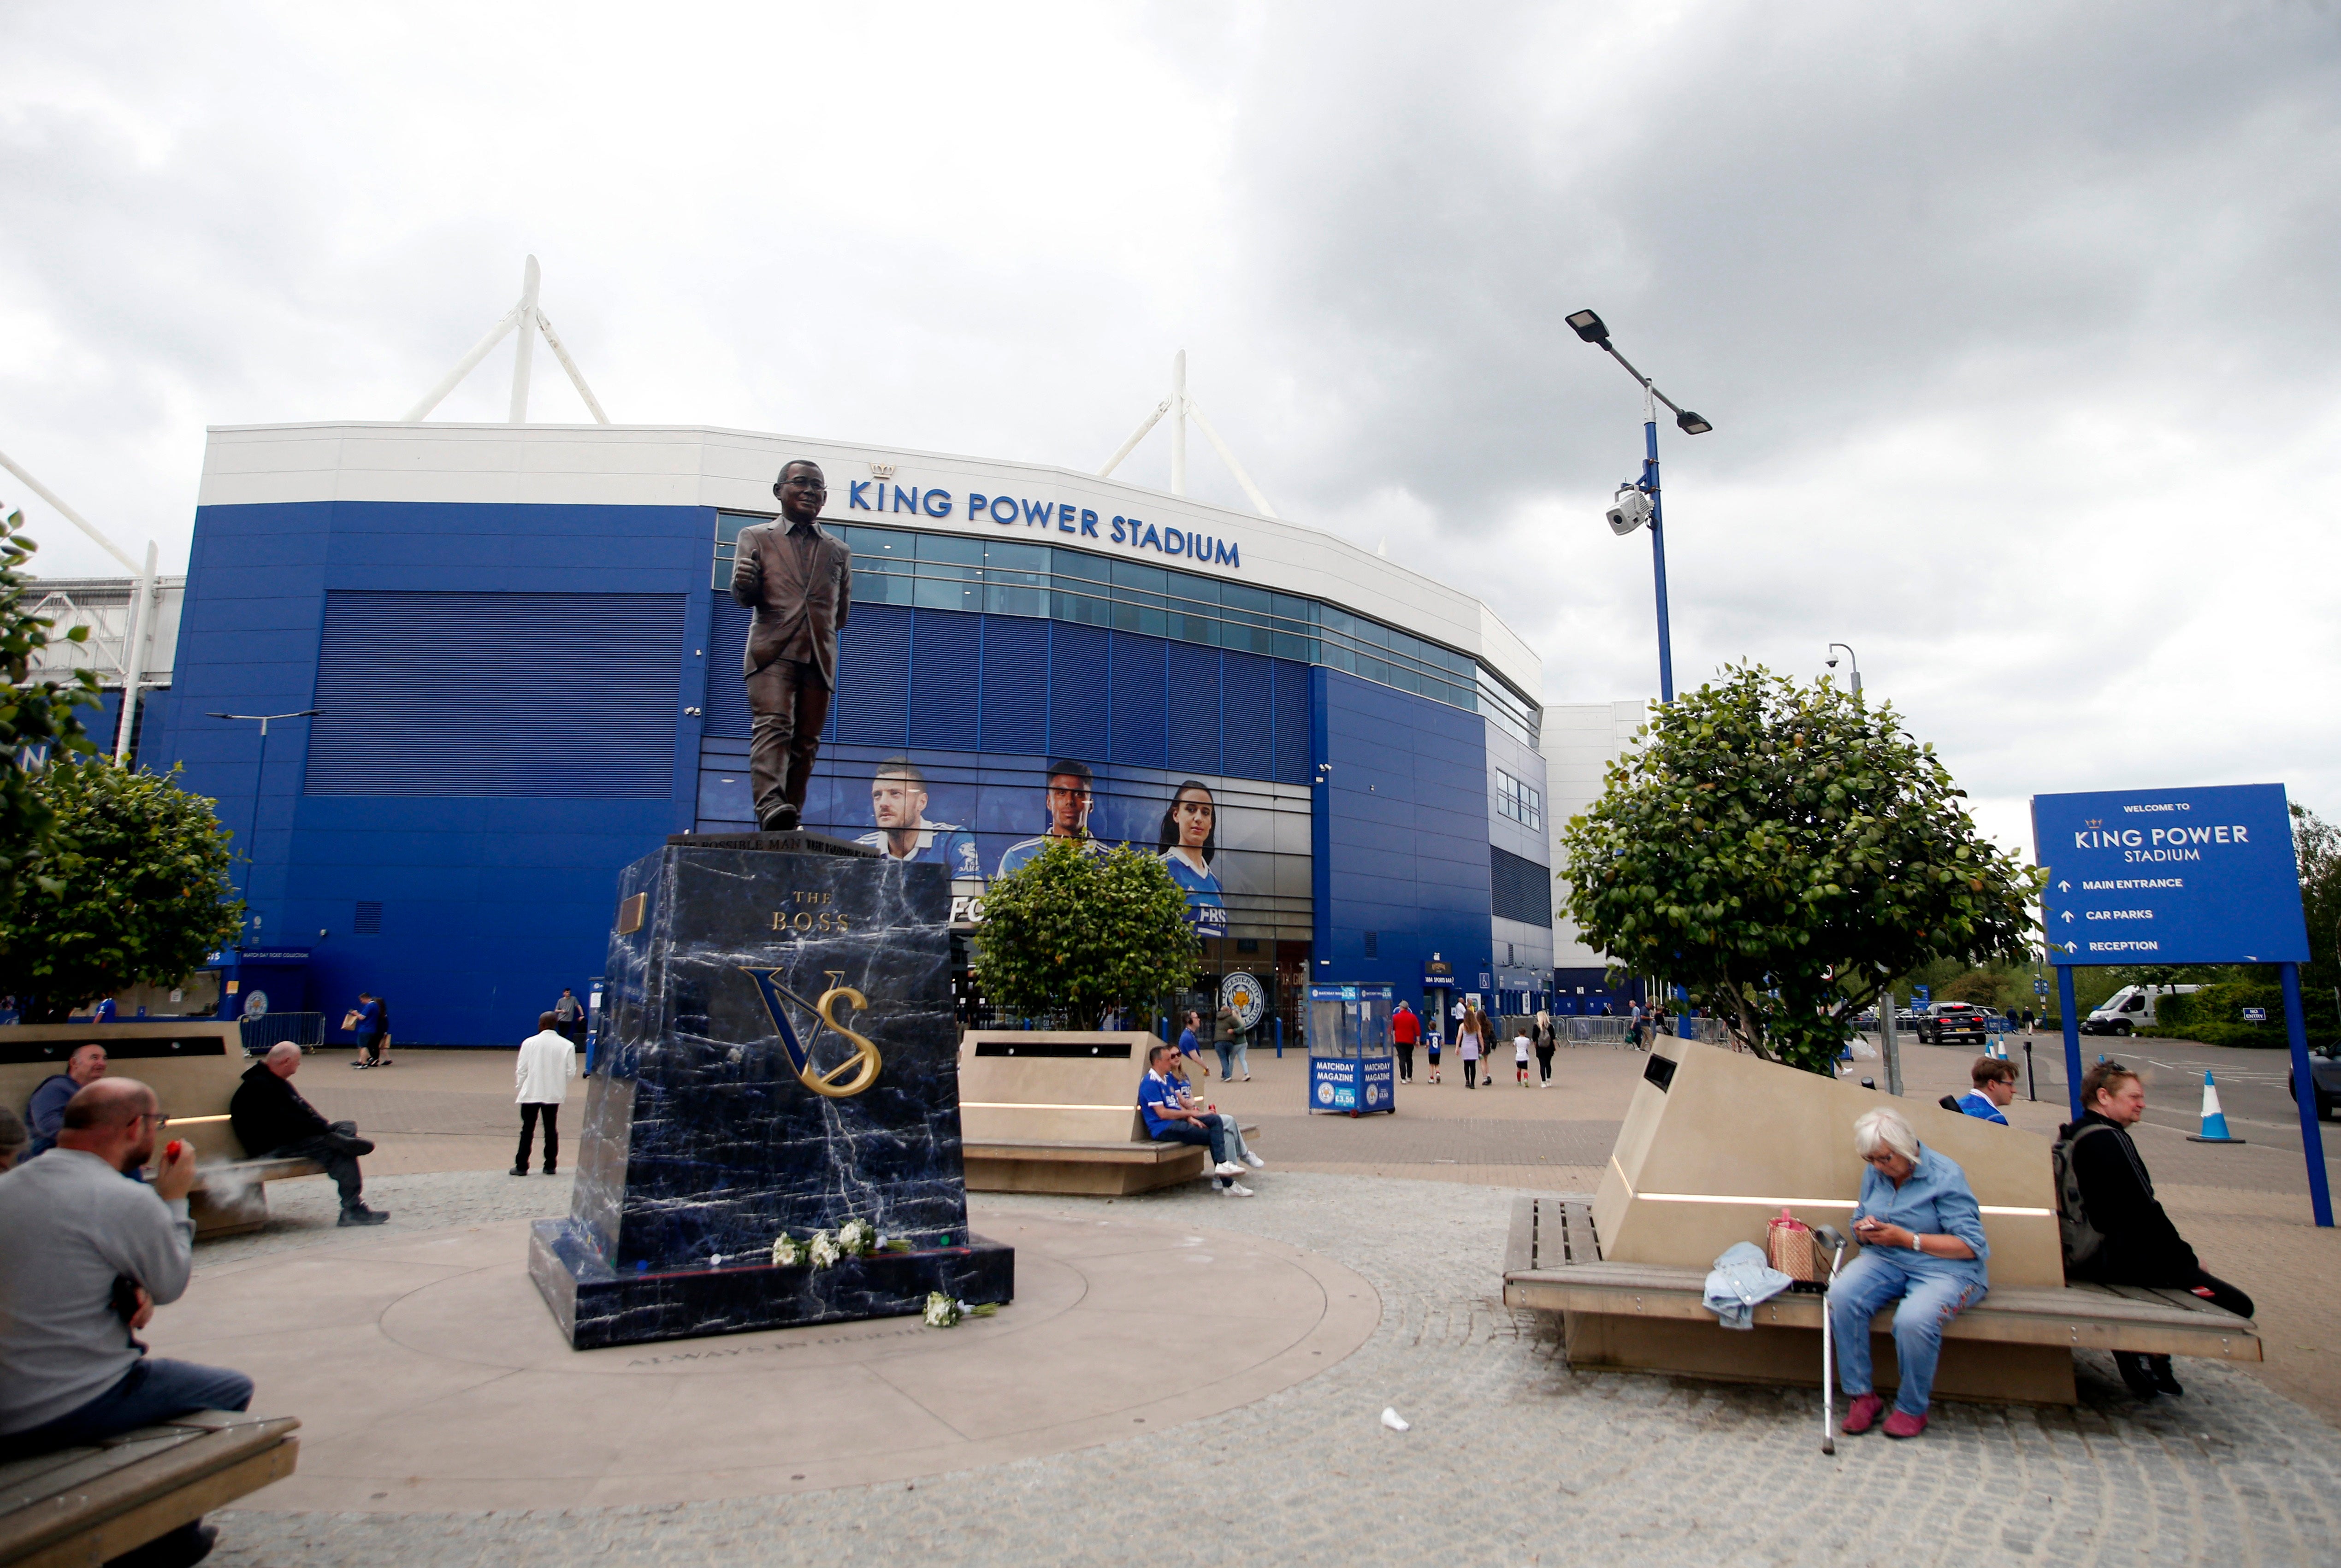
(526, 674)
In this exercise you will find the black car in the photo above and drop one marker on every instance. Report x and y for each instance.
(2325, 1066)
(1953, 1023)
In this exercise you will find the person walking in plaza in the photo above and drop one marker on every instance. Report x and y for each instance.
(1923, 1253)
(1430, 1046)
(569, 1016)
(1405, 1029)
(368, 1027)
(89, 1257)
(1191, 1045)
(1228, 1030)
(1547, 1038)
(273, 1121)
(1471, 1042)
(548, 1060)
(2139, 1245)
(1520, 1047)
(45, 1113)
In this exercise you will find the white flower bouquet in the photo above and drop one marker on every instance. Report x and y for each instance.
(942, 1311)
(823, 1250)
(857, 1238)
(788, 1252)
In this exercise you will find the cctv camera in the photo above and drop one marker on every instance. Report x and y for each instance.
(1832, 662)
(1632, 510)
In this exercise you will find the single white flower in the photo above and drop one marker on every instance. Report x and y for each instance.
(788, 1253)
(823, 1249)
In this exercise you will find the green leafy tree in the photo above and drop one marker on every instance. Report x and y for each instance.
(37, 721)
(131, 889)
(1082, 933)
(1783, 852)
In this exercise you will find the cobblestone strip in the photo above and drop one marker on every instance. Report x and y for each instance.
(1513, 1459)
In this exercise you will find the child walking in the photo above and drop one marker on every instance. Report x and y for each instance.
(1520, 1059)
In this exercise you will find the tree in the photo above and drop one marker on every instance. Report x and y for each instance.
(2318, 845)
(1085, 932)
(1784, 852)
(37, 722)
(132, 889)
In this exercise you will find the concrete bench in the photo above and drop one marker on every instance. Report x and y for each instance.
(86, 1505)
(1652, 1317)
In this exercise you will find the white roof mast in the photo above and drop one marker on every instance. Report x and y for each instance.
(1183, 406)
(532, 321)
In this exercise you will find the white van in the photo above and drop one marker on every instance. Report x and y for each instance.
(2131, 1007)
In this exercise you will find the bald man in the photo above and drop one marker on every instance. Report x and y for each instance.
(46, 1110)
(79, 1239)
(272, 1121)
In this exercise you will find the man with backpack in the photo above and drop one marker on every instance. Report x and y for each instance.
(2115, 1230)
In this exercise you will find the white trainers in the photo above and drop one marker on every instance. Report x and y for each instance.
(1254, 1161)
(1235, 1189)
(1226, 1168)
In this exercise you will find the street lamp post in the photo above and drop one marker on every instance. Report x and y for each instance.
(259, 779)
(1625, 520)
(1856, 658)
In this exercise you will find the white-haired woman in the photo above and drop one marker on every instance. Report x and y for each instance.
(1923, 1252)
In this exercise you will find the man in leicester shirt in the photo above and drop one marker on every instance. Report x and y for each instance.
(1995, 1085)
(1169, 1120)
(1070, 796)
(898, 804)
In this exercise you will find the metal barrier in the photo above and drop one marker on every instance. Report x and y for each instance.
(306, 1030)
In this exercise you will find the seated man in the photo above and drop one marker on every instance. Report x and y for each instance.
(1995, 1085)
(272, 1121)
(2140, 1245)
(89, 1255)
(46, 1110)
(1167, 1120)
(1237, 1147)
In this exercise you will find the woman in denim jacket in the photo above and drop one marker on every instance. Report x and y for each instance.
(1924, 1248)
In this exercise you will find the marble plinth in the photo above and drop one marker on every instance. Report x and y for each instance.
(778, 1054)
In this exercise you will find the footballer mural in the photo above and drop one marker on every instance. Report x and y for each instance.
(1189, 838)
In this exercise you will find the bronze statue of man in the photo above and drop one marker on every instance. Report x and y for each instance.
(800, 583)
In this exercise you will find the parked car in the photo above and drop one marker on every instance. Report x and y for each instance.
(2131, 1007)
(2325, 1067)
(1953, 1023)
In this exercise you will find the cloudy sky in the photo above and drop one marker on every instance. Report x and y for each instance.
(2017, 322)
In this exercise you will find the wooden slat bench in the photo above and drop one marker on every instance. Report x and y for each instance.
(84, 1506)
(1099, 1169)
(1654, 1317)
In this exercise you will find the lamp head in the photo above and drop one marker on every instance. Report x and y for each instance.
(1588, 327)
(1691, 424)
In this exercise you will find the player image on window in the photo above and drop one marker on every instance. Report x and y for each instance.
(898, 804)
(1071, 794)
(1189, 839)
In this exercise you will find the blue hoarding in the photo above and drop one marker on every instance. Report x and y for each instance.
(2202, 875)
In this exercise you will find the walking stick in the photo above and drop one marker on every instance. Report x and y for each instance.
(1829, 1236)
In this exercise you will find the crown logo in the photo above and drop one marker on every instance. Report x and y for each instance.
(881, 471)
(2093, 822)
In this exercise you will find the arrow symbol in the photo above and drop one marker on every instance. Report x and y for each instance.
(2068, 917)
(2064, 887)
(2072, 947)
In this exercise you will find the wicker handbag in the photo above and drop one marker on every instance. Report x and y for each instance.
(1789, 1242)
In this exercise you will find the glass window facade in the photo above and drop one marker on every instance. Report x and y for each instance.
(1523, 803)
(954, 572)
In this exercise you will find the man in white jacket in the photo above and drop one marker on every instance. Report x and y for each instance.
(547, 1062)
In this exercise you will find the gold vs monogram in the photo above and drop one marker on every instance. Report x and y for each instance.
(849, 1077)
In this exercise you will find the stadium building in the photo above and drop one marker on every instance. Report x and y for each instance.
(524, 669)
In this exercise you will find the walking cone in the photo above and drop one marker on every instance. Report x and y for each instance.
(2214, 1120)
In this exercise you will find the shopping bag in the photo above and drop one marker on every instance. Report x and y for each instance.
(1789, 1242)
(350, 1019)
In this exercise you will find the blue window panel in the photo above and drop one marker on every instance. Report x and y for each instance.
(1078, 660)
(548, 695)
(1249, 717)
(1519, 888)
(946, 654)
(873, 676)
(1293, 762)
(1141, 719)
(1015, 685)
(1194, 708)
(727, 644)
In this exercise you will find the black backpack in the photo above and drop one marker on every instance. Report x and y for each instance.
(2082, 1241)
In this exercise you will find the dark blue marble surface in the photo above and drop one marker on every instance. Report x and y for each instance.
(701, 1137)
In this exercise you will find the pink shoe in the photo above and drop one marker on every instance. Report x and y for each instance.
(1862, 1414)
(1900, 1425)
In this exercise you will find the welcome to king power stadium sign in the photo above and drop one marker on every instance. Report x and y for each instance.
(883, 495)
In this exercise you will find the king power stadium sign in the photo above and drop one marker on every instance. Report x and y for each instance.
(2202, 875)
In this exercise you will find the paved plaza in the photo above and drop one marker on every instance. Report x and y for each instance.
(1512, 1457)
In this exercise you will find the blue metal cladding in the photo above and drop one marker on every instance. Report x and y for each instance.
(1015, 685)
(727, 644)
(1194, 708)
(874, 652)
(473, 694)
(1293, 764)
(1401, 833)
(1141, 718)
(947, 658)
(1077, 685)
(1248, 729)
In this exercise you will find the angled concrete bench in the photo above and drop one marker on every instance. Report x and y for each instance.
(86, 1505)
(1057, 1111)
(2015, 1345)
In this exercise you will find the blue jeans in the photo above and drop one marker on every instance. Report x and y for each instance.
(1928, 1301)
(153, 1391)
(1212, 1131)
(1226, 1049)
